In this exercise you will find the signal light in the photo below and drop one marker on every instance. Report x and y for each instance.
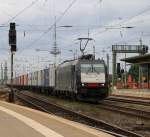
(118, 70)
(122, 71)
(13, 48)
(12, 36)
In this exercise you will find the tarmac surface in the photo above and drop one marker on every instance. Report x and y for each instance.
(19, 121)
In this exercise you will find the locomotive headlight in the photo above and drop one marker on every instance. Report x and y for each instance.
(82, 84)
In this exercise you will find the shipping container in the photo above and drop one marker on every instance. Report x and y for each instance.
(42, 78)
(25, 79)
(29, 79)
(22, 80)
(46, 77)
(19, 80)
(39, 78)
(34, 78)
(14, 81)
(8, 81)
(52, 75)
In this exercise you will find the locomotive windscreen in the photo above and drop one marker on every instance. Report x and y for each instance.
(89, 68)
(92, 73)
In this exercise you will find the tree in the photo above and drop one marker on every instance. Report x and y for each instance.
(134, 72)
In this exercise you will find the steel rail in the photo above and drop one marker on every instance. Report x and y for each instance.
(46, 106)
(110, 105)
(128, 99)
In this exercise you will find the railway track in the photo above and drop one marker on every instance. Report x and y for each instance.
(137, 101)
(111, 105)
(46, 106)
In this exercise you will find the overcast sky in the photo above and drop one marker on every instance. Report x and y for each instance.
(103, 18)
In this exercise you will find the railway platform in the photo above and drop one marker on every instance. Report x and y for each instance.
(19, 121)
(135, 93)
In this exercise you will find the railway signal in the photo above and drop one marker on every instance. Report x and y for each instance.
(118, 70)
(12, 37)
(12, 44)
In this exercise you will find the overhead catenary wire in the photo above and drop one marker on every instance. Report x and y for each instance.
(31, 4)
(20, 12)
(51, 27)
(130, 18)
(145, 10)
(43, 30)
(124, 21)
(134, 16)
(133, 38)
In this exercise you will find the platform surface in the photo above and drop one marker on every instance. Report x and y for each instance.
(18, 121)
(141, 93)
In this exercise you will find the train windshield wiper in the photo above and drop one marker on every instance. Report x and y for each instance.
(89, 70)
(94, 70)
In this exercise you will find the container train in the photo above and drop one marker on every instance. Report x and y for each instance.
(84, 78)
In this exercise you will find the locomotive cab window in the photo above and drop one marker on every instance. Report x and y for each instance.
(85, 68)
(99, 68)
(92, 68)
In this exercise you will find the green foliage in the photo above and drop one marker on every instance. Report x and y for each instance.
(134, 72)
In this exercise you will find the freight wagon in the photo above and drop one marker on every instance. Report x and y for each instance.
(83, 78)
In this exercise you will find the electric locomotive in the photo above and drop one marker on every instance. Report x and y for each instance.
(84, 78)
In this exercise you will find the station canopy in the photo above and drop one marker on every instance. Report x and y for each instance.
(141, 59)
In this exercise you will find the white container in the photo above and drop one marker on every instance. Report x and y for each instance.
(29, 79)
(34, 78)
(8, 81)
(52, 75)
(39, 78)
